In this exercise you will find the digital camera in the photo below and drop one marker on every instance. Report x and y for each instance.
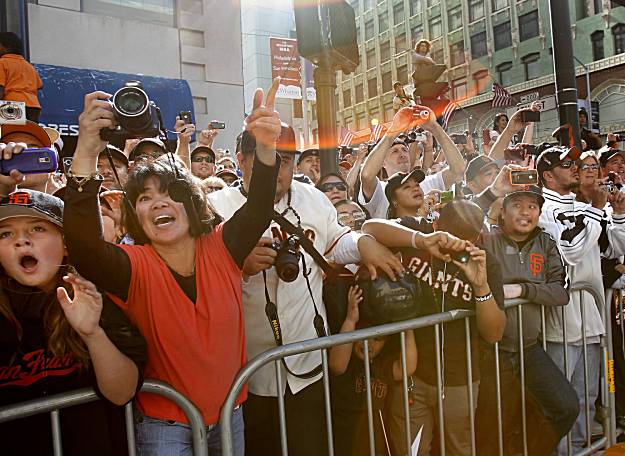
(136, 115)
(287, 260)
(12, 112)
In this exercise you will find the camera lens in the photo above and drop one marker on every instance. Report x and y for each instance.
(287, 266)
(130, 101)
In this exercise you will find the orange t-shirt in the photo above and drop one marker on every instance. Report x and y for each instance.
(196, 348)
(20, 80)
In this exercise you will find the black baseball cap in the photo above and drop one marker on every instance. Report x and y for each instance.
(553, 156)
(31, 203)
(115, 153)
(607, 153)
(531, 190)
(477, 165)
(204, 149)
(286, 141)
(399, 179)
(308, 153)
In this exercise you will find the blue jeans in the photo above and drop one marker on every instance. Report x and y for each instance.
(575, 360)
(171, 438)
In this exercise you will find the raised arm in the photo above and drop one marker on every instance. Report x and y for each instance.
(185, 132)
(515, 125)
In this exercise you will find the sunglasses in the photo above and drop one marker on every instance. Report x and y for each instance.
(197, 159)
(328, 186)
(566, 164)
(585, 166)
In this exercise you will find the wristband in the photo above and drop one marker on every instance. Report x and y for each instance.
(484, 298)
(413, 241)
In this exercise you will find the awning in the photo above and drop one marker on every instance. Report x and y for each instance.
(64, 90)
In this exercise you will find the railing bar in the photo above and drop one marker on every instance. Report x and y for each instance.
(522, 371)
(327, 400)
(440, 389)
(498, 391)
(281, 411)
(467, 332)
(57, 442)
(369, 400)
(585, 360)
(130, 429)
(404, 373)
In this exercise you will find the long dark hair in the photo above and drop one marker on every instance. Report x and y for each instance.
(162, 169)
(496, 121)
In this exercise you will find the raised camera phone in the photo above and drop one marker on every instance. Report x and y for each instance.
(446, 197)
(287, 260)
(461, 257)
(31, 161)
(216, 125)
(530, 116)
(529, 177)
(186, 117)
(459, 139)
(136, 115)
(12, 112)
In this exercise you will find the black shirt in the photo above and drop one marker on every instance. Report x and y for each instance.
(28, 370)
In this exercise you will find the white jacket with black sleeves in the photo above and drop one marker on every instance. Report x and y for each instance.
(577, 228)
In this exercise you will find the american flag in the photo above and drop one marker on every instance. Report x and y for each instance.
(501, 96)
(376, 133)
(447, 113)
(346, 137)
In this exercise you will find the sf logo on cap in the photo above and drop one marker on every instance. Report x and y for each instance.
(21, 198)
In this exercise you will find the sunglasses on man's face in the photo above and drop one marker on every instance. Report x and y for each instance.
(585, 166)
(566, 164)
(197, 159)
(328, 186)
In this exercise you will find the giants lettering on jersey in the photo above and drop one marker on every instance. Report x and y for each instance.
(459, 289)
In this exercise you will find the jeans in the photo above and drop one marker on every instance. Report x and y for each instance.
(575, 361)
(551, 403)
(171, 438)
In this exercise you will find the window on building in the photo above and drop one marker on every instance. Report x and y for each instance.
(361, 122)
(387, 82)
(433, 2)
(415, 7)
(358, 38)
(416, 32)
(400, 43)
(504, 73)
(532, 67)
(476, 10)
(459, 89)
(372, 86)
(402, 74)
(597, 45)
(360, 93)
(480, 79)
(385, 51)
(618, 31)
(347, 98)
(456, 53)
(499, 4)
(371, 58)
(503, 37)
(367, 4)
(369, 30)
(528, 25)
(436, 27)
(438, 55)
(454, 17)
(478, 45)
(598, 6)
(383, 21)
(159, 12)
(398, 13)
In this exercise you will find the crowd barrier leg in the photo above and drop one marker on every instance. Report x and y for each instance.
(440, 389)
(130, 429)
(608, 359)
(522, 371)
(369, 399)
(467, 332)
(281, 411)
(543, 327)
(327, 400)
(498, 399)
(57, 442)
(585, 360)
(404, 374)
(569, 446)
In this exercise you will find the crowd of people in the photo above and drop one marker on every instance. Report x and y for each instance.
(141, 262)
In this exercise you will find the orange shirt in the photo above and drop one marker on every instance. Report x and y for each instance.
(20, 80)
(196, 348)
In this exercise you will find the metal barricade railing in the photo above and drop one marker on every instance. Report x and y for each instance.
(437, 321)
(55, 403)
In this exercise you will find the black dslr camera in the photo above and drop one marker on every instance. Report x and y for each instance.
(136, 115)
(287, 261)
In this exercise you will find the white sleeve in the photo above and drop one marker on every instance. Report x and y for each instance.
(378, 204)
(433, 182)
(346, 249)
(576, 230)
(616, 237)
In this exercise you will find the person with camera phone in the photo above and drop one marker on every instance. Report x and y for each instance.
(349, 401)
(181, 282)
(454, 273)
(520, 120)
(284, 286)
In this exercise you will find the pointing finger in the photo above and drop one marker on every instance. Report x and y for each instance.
(271, 95)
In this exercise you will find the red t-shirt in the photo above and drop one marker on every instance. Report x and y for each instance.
(196, 348)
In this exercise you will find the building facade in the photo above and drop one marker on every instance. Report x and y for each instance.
(481, 42)
(198, 41)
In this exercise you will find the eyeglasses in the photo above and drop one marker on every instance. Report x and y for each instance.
(355, 218)
(328, 186)
(566, 164)
(213, 189)
(585, 166)
(197, 159)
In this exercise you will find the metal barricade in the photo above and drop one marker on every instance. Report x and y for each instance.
(55, 403)
(437, 321)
